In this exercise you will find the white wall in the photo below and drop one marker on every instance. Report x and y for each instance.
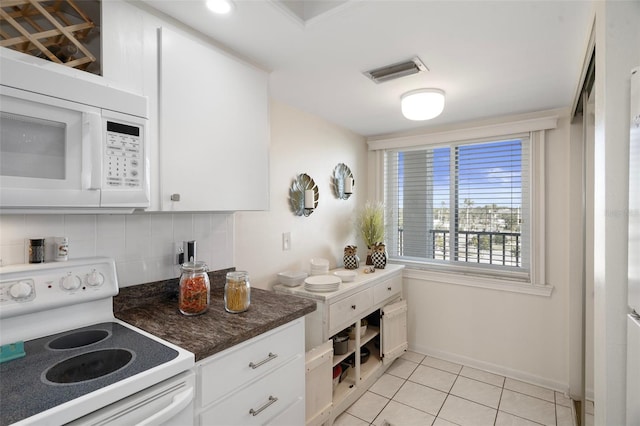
(141, 244)
(302, 143)
(519, 335)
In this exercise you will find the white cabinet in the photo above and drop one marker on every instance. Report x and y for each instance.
(258, 382)
(376, 298)
(214, 128)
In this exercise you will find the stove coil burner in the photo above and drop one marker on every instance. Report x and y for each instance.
(78, 339)
(88, 366)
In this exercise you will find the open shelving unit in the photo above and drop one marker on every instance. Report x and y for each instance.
(376, 297)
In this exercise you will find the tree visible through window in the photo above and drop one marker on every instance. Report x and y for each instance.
(465, 202)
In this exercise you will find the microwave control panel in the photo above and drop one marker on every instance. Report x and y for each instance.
(123, 160)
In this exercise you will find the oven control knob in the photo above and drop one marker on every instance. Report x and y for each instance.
(20, 290)
(70, 282)
(95, 279)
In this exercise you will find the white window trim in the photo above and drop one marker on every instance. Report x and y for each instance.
(536, 126)
(478, 131)
(490, 283)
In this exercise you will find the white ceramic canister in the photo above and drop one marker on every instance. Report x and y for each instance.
(62, 249)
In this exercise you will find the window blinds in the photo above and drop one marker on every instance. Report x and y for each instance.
(465, 202)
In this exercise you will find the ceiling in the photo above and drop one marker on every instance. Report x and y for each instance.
(492, 58)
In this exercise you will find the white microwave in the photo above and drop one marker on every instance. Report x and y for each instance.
(69, 143)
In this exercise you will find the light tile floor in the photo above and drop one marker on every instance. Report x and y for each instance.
(419, 390)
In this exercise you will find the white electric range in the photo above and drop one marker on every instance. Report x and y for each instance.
(81, 364)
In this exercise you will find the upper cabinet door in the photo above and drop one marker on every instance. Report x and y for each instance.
(214, 128)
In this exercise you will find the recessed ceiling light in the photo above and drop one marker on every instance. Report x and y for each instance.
(220, 6)
(422, 104)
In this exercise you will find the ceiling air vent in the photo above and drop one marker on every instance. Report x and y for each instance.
(401, 69)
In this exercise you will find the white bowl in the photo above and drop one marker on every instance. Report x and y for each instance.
(319, 262)
(352, 332)
(346, 276)
(291, 278)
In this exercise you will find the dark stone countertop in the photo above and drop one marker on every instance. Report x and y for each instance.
(153, 307)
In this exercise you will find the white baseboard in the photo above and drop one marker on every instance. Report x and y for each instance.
(493, 368)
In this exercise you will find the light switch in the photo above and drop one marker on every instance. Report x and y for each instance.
(286, 241)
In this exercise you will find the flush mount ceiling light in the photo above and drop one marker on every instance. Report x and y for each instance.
(422, 104)
(220, 6)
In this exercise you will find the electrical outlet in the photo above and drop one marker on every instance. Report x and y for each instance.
(286, 241)
(179, 253)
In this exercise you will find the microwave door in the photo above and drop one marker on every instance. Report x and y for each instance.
(43, 149)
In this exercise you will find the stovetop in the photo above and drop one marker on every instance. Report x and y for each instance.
(30, 372)
(46, 306)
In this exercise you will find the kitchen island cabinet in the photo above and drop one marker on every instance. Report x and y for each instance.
(214, 128)
(375, 297)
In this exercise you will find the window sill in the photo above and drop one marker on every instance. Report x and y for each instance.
(496, 283)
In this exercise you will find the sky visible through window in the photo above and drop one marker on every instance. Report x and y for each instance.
(488, 174)
(462, 202)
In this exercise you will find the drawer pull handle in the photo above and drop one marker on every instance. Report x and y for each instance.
(353, 307)
(272, 399)
(389, 288)
(271, 356)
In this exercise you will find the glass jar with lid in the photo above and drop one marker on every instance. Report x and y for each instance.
(237, 292)
(194, 291)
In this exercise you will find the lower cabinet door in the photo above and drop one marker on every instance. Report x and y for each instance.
(260, 402)
(394, 331)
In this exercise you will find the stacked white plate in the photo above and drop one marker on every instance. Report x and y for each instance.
(319, 267)
(322, 283)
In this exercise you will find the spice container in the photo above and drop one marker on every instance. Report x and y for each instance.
(36, 250)
(194, 292)
(62, 249)
(237, 292)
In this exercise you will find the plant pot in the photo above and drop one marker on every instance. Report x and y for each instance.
(369, 260)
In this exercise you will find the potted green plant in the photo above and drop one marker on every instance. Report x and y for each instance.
(370, 224)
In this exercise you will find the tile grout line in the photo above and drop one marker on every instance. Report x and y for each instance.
(499, 402)
(448, 393)
(447, 397)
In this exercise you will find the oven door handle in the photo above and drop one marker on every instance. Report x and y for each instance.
(179, 402)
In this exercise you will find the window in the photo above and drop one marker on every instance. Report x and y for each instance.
(460, 205)
(467, 240)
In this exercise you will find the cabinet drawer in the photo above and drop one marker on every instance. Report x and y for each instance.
(387, 289)
(234, 367)
(261, 401)
(292, 416)
(344, 312)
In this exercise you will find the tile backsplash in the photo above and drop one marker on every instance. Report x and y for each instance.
(142, 244)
